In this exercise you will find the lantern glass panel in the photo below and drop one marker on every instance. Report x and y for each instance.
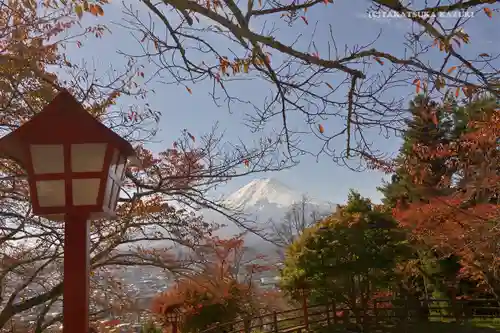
(108, 192)
(47, 159)
(114, 160)
(120, 167)
(172, 316)
(114, 197)
(51, 193)
(88, 157)
(85, 191)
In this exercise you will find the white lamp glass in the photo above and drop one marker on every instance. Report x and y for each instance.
(87, 157)
(51, 193)
(47, 159)
(120, 167)
(108, 192)
(114, 197)
(85, 191)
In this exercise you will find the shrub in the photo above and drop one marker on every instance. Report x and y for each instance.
(215, 294)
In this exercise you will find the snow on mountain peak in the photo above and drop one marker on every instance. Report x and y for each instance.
(261, 191)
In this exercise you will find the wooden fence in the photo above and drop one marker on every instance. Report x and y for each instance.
(381, 313)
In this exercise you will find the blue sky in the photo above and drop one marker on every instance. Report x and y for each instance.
(322, 179)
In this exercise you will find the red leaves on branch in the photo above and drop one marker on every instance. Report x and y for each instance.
(468, 233)
(217, 289)
(178, 166)
(475, 150)
(321, 129)
(488, 12)
(463, 221)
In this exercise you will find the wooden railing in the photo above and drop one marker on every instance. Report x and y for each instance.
(380, 313)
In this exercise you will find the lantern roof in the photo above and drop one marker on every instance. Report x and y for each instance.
(62, 121)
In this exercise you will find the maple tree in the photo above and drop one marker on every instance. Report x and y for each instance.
(160, 201)
(221, 290)
(462, 221)
(226, 43)
(448, 206)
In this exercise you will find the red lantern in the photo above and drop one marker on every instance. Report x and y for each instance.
(75, 167)
(75, 164)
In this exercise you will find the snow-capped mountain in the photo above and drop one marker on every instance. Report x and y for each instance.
(263, 200)
(261, 192)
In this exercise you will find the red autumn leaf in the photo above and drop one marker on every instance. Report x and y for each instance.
(488, 12)
(416, 82)
(304, 19)
(321, 128)
(100, 11)
(93, 10)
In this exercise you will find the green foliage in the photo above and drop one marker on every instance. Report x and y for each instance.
(429, 124)
(150, 327)
(348, 256)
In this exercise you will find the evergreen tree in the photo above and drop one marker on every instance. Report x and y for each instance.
(429, 125)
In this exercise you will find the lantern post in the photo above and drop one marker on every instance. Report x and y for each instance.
(75, 167)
